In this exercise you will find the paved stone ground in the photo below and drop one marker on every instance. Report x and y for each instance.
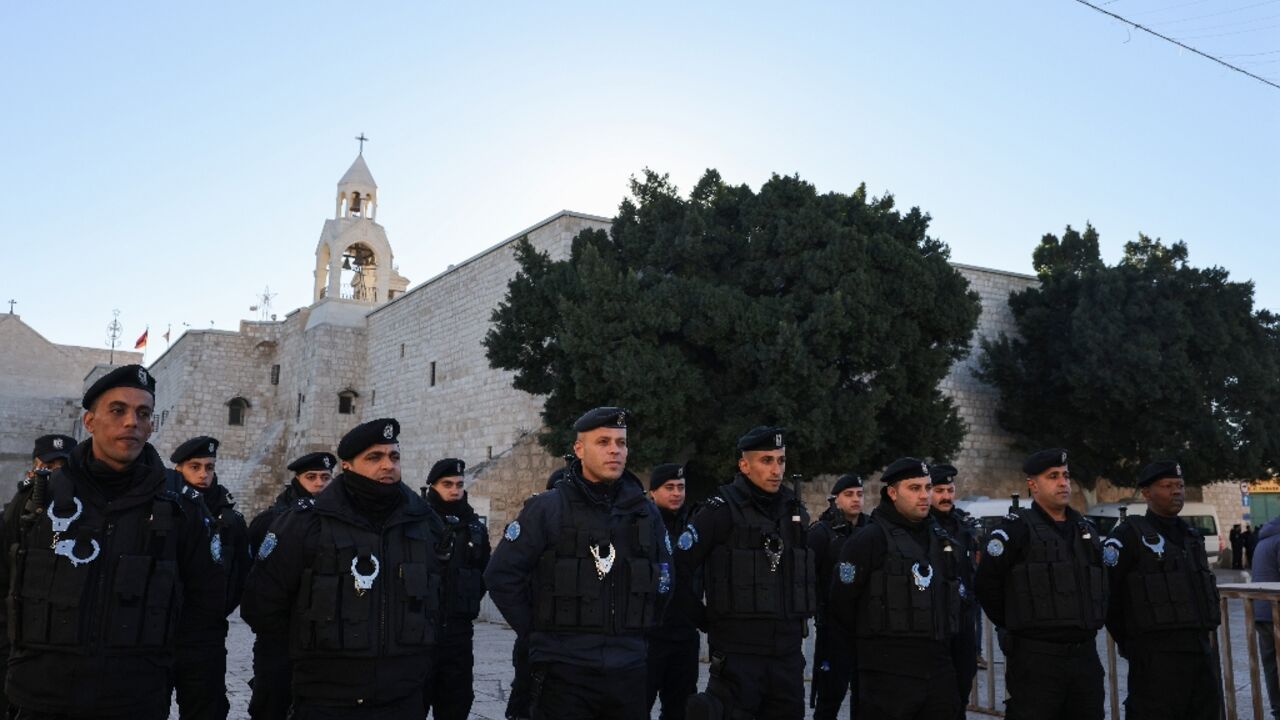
(493, 667)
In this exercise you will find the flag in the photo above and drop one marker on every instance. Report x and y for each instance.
(142, 340)
(166, 334)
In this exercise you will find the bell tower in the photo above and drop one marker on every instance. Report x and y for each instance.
(353, 258)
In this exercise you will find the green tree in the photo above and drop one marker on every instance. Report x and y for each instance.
(833, 315)
(1150, 358)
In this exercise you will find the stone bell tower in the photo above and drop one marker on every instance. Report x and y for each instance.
(353, 258)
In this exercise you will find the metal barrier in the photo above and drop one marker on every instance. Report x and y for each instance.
(983, 698)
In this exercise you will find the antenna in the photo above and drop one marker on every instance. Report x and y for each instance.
(263, 307)
(114, 328)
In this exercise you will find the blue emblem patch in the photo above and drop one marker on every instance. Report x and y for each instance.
(848, 571)
(215, 548)
(664, 579)
(963, 590)
(513, 531)
(995, 548)
(268, 544)
(688, 538)
(1110, 555)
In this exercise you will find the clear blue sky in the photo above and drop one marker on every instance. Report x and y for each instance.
(171, 160)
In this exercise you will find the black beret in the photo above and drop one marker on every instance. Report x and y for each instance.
(610, 417)
(844, 482)
(313, 461)
(49, 447)
(1038, 462)
(448, 467)
(762, 437)
(942, 474)
(201, 446)
(662, 473)
(904, 469)
(1159, 470)
(134, 376)
(382, 431)
(555, 477)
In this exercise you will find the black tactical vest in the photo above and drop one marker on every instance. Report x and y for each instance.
(1173, 589)
(570, 596)
(126, 601)
(765, 570)
(397, 615)
(464, 578)
(1057, 582)
(914, 594)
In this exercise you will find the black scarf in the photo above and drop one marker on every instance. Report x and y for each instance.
(370, 498)
(298, 490)
(112, 482)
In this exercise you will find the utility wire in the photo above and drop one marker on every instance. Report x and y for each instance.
(1182, 45)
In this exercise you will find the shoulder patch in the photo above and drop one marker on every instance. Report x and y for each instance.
(848, 573)
(268, 544)
(995, 547)
(1110, 555)
(512, 532)
(688, 538)
(215, 548)
(1012, 516)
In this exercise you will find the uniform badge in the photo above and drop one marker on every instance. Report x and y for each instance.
(215, 548)
(513, 531)
(142, 376)
(1110, 555)
(325, 460)
(388, 431)
(688, 538)
(666, 540)
(57, 443)
(268, 544)
(664, 578)
(777, 440)
(995, 548)
(924, 468)
(964, 591)
(848, 572)
(213, 447)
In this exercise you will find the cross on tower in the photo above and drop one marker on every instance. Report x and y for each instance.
(11, 304)
(362, 140)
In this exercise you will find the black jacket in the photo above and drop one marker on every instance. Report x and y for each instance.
(232, 550)
(512, 572)
(468, 556)
(677, 625)
(92, 676)
(386, 670)
(827, 536)
(290, 497)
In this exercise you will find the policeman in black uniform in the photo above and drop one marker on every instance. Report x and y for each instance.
(585, 571)
(673, 645)
(271, 676)
(448, 694)
(357, 579)
(200, 668)
(750, 543)
(101, 562)
(835, 672)
(896, 596)
(963, 529)
(1041, 580)
(1164, 605)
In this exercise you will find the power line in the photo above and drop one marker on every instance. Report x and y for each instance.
(1182, 45)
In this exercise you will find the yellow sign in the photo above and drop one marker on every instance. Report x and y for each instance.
(1265, 486)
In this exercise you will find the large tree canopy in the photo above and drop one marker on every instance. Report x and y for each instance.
(1147, 359)
(832, 315)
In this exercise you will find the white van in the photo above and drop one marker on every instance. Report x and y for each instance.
(1201, 516)
(988, 511)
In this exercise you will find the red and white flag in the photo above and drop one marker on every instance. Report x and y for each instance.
(142, 340)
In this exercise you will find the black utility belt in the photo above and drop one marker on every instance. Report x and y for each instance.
(1044, 647)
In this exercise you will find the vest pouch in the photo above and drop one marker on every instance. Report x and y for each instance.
(877, 605)
(469, 589)
(1180, 597)
(355, 611)
(899, 603)
(1040, 591)
(565, 594)
(718, 579)
(66, 591)
(128, 592)
(324, 631)
(1209, 586)
(642, 584)
(414, 617)
(589, 600)
(1064, 590)
(804, 582)
(31, 623)
(162, 606)
(922, 608)
(742, 579)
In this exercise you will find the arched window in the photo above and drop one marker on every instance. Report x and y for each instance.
(347, 402)
(237, 408)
